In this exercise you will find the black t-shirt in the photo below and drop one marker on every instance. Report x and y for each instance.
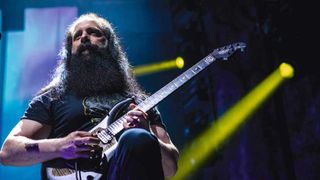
(70, 113)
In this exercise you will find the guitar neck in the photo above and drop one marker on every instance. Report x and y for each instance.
(165, 91)
(172, 86)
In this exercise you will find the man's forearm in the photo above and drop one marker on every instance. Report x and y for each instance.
(169, 154)
(22, 151)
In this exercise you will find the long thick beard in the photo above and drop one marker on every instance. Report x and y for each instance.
(94, 73)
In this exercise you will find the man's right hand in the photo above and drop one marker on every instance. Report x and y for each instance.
(79, 144)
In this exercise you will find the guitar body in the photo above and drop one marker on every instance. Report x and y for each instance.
(89, 168)
(67, 174)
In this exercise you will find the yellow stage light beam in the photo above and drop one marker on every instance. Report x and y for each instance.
(157, 67)
(195, 154)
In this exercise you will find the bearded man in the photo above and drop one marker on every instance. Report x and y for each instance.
(56, 129)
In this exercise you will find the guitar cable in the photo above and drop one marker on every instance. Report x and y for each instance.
(76, 168)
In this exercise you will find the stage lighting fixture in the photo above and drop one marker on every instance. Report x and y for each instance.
(158, 67)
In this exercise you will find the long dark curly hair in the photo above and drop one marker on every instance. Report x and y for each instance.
(57, 85)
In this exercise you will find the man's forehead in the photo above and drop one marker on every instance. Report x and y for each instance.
(85, 24)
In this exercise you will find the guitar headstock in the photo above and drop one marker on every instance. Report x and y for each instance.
(226, 51)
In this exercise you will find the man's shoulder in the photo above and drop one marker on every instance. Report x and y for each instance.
(47, 97)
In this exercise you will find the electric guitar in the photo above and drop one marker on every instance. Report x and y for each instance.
(108, 128)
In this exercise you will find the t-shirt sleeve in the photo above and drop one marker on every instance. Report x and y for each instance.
(155, 117)
(39, 110)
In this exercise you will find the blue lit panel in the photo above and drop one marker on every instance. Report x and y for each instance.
(30, 57)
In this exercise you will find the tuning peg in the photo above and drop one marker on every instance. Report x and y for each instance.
(225, 58)
(241, 49)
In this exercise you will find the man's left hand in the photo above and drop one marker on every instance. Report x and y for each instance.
(136, 118)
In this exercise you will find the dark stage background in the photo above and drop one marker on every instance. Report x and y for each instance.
(280, 141)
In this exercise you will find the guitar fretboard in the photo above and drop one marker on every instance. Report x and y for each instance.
(165, 91)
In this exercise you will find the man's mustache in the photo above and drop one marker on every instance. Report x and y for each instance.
(87, 46)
